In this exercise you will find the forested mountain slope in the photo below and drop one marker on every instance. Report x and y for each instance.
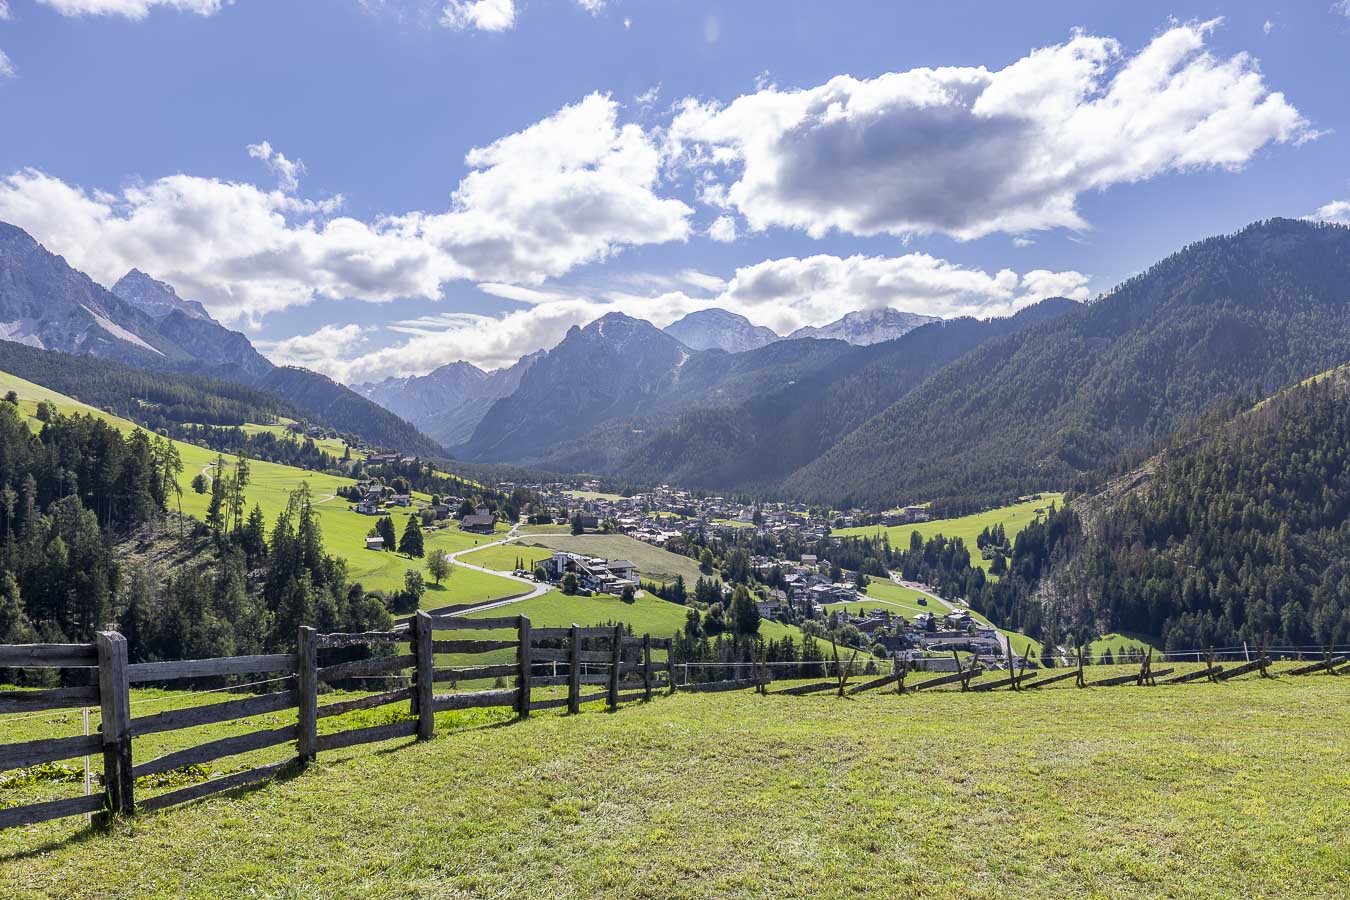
(619, 372)
(1243, 535)
(1245, 313)
(757, 442)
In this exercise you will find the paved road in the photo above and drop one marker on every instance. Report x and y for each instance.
(536, 588)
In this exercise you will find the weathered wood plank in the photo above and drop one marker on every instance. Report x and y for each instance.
(574, 671)
(175, 719)
(376, 666)
(594, 631)
(114, 691)
(553, 703)
(1194, 676)
(369, 735)
(30, 753)
(425, 687)
(471, 646)
(558, 680)
(524, 658)
(1241, 670)
(212, 750)
(47, 656)
(204, 668)
(51, 809)
(875, 683)
(476, 699)
(626, 696)
(336, 709)
(953, 678)
(616, 647)
(1020, 680)
(213, 786)
(353, 639)
(463, 623)
(1318, 666)
(591, 698)
(307, 685)
(714, 686)
(803, 689)
(548, 654)
(661, 643)
(56, 698)
(1042, 682)
(469, 673)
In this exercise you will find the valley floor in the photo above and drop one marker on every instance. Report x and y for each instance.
(1226, 790)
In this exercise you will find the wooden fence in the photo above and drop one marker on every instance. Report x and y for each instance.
(602, 657)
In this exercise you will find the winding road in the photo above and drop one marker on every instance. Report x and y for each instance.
(537, 589)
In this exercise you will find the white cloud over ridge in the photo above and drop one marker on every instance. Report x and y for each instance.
(969, 151)
(782, 293)
(1336, 212)
(573, 188)
(132, 9)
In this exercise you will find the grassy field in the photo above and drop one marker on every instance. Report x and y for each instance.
(593, 495)
(653, 563)
(1154, 792)
(270, 485)
(968, 528)
(1118, 642)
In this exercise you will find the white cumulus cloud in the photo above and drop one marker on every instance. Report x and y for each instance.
(781, 293)
(968, 151)
(287, 171)
(723, 230)
(1336, 212)
(573, 188)
(483, 15)
(132, 9)
(7, 69)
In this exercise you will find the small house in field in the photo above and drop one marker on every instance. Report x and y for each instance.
(479, 523)
(374, 542)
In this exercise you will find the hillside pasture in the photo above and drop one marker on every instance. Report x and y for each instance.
(1105, 792)
(1013, 518)
(270, 486)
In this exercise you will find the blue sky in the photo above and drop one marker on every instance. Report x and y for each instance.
(375, 188)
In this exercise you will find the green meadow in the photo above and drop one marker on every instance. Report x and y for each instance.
(270, 486)
(1013, 518)
(1227, 790)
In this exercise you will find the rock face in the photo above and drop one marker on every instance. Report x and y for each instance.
(609, 369)
(190, 326)
(156, 299)
(868, 326)
(45, 303)
(709, 329)
(144, 323)
(449, 402)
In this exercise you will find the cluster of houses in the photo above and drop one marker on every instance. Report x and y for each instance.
(918, 638)
(593, 574)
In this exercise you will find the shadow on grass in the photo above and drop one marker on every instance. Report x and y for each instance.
(89, 832)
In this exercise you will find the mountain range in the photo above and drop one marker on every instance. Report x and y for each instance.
(878, 408)
(46, 304)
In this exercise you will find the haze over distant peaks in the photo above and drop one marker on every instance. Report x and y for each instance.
(714, 328)
(866, 326)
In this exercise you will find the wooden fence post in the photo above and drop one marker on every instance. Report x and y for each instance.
(670, 664)
(426, 673)
(647, 667)
(616, 664)
(114, 692)
(574, 674)
(1080, 682)
(526, 663)
(307, 678)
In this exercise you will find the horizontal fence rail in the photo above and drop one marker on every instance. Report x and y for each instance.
(543, 657)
